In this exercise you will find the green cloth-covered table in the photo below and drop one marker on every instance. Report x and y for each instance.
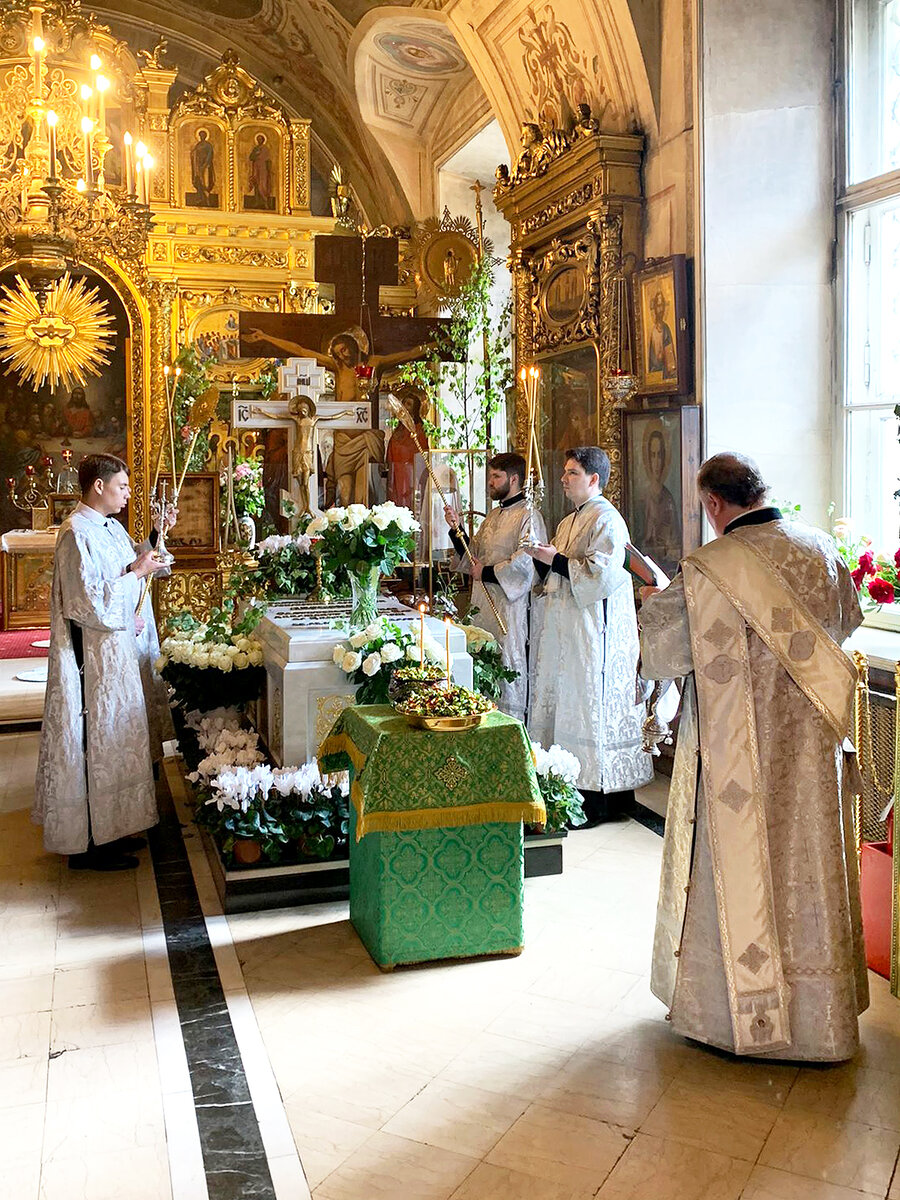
(436, 866)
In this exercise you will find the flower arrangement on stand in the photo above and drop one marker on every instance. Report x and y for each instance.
(372, 655)
(488, 668)
(557, 773)
(195, 655)
(876, 577)
(247, 488)
(285, 566)
(362, 544)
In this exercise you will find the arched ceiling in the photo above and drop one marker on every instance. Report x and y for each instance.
(393, 88)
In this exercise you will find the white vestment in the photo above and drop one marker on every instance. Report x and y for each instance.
(95, 772)
(496, 544)
(585, 653)
(758, 945)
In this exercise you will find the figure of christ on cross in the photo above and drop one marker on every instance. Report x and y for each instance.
(358, 356)
(302, 411)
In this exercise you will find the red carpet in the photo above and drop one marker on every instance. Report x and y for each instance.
(17, 643)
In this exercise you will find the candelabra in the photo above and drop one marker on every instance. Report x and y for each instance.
(32, 492)
(67, 479)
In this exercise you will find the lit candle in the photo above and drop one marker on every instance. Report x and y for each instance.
(523, 379)
(447, 624)
(87, 128)
(38, 45)
(102, 83)
(129, 164)
(139, 180)
(535, 373)
(148, 167)
(422, 635)
(51, 126)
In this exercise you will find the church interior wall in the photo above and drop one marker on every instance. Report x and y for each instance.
(767, 234)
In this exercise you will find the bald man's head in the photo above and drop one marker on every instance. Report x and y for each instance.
(734, 478)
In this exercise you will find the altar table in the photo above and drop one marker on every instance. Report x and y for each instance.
(436, 847)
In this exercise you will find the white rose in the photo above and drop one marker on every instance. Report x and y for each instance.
(359, 640)
(350, 522)
(316, 526)
(335, 515)
(201, 658)
(232, 651)
(412, 651)
(373, 631)
(337, 656)
(372, 665)
(351, 661)
(380, 520)
(358, 511)
(240, 659)
(390, 652)
(255, 657)
(226, 663)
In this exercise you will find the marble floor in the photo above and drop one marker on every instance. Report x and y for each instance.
(552, 1076)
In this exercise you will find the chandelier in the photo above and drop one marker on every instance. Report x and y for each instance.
(55, 204)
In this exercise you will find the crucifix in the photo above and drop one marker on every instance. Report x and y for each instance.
(355, 341)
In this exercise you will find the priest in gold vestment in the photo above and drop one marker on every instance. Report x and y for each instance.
(758, 945)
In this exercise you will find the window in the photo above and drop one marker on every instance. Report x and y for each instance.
(869, 214)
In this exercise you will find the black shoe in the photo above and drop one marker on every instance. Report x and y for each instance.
(127, 844)
(92, 861)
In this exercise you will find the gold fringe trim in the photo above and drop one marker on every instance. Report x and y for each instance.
(443, 818)
(341, 744)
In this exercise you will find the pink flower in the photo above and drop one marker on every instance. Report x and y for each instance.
(242, 470)
(186, 433)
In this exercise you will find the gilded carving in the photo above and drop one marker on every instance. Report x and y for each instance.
(197, 591)
(558, 70)
(232, 255)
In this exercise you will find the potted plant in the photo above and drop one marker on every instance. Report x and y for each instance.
(557, 773)
(195, 656)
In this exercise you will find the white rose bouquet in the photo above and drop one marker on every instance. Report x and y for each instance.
(488, 668)
(557, 773)
(371, 656)
(360, 544)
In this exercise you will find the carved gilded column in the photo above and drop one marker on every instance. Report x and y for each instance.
(520, 264)
(605, 225)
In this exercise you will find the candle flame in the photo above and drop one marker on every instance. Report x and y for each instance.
(148, 162)
(140, 150)
(96, 64)
(86, 92)
(39, 45)
(52, 119)
(128, 139)
(87, 125)
(102, 83)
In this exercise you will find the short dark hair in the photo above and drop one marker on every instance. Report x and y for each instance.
(592, 460)
(99, 466)
(734, 478)
(511, 463)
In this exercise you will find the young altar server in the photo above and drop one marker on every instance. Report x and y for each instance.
(105, 708)
(759, 944)
(585, 642)
(498, 563)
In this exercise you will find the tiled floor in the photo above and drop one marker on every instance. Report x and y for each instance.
(552, 1076)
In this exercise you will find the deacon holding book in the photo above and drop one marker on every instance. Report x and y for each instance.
(585, 643)
(499, 562)
(758, 940)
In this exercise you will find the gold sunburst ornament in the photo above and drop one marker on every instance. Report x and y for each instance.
(64, 341)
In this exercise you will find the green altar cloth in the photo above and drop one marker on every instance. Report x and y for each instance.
(436, 840)
(405, 778)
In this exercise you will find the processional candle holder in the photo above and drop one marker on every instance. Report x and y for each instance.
(162, 509)
(31, 495)
(530, 378)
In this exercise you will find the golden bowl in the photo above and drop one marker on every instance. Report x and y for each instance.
(447, 724)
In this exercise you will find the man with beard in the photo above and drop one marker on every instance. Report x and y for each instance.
(500, 564)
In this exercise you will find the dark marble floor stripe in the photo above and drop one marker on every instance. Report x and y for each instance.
(648, 818)
(233, 1154)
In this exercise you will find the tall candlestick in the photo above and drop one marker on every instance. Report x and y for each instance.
(447, 624)
(102, 83)
(129, 164)
(421, 635)
(523, 379)
(51, 127)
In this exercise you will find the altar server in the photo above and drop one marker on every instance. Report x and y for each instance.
(585, 642)
(105, 708)
(758, 941)
(498, 563)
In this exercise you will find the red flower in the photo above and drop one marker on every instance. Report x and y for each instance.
(881, 591)
(858, 576)
(867, 562)
(897, 560)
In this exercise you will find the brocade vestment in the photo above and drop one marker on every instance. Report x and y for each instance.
(496, 544)
(585, 652)
(100, 734)
(758, 946)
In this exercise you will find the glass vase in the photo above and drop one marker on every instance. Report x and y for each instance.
(364, 598)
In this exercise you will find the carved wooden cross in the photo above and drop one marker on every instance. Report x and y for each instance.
(357, 271)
